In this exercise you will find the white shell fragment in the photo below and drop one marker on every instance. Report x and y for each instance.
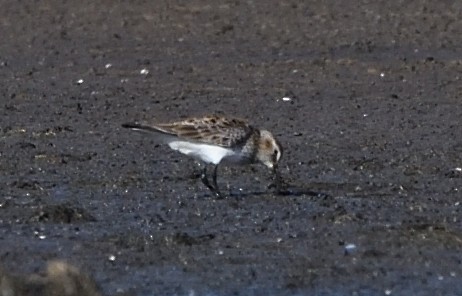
(350, 247)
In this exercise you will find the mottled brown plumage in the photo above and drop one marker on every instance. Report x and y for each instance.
(212, 129)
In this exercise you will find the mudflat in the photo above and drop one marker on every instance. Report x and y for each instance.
(370, 124)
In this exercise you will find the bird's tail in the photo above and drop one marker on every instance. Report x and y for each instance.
(151, 130)
(140, 127)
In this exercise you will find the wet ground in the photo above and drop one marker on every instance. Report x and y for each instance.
(372, 125)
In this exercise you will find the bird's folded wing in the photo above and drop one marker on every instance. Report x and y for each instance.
(225, 133)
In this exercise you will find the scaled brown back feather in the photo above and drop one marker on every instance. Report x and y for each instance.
(225, 132)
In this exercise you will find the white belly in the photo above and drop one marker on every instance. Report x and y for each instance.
(207, 153)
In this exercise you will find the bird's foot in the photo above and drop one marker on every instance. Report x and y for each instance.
(217, 194)
(214, 189)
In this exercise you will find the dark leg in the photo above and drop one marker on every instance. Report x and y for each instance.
(205, 180)
(214, 178)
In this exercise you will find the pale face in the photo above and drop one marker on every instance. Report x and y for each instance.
(270, 151)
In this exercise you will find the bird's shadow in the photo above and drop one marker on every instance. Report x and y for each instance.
(285, 190)
(279, 187)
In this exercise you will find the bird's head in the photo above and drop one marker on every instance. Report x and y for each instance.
(270, 151)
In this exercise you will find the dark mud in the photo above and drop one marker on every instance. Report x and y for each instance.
(373, 125)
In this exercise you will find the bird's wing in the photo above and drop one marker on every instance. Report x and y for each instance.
(215, 130)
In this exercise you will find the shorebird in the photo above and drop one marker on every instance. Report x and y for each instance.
(214, 140)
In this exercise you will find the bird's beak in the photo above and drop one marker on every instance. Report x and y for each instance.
(275, 173)
(274, 169)
(276, 178)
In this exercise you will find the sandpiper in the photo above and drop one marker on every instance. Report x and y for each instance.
(216, 139)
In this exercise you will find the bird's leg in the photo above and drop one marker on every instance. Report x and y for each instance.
(214, 178)
(205, 180)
